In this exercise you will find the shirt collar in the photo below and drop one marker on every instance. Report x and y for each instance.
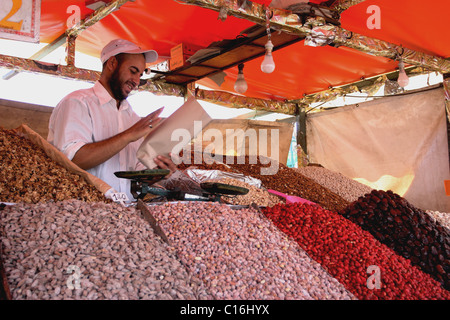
(104, 97)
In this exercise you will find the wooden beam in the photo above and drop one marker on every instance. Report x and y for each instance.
(73, 73)
(342, 5)
(358, 86)
(49, 48)
(237, 101)
(231, 54)
(250, 115)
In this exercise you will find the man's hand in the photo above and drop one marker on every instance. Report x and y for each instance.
(93, 154)
(166, 163)
(144, 126)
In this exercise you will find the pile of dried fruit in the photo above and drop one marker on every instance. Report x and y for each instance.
(74, 250)
(410, 231)
(28, 175)
(239, 254)
(349, 253)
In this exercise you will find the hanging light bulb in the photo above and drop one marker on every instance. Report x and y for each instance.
(240, 85)
(268, 65)
(403, 79)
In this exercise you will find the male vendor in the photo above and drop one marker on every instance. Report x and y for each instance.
(97, 129)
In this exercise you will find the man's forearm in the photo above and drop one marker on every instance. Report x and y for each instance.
(93, 154)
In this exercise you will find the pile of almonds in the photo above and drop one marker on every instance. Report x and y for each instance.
(75, 250)
(353, 256)
(239, 254)
(410, 231)
(442, 217)
(258, 196)
(343, 186)
(28, 175)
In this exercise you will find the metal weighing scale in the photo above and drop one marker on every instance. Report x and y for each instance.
(142, 181)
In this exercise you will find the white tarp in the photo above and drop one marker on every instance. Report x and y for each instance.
(395, 143)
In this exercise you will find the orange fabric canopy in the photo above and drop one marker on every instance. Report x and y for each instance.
(300, 69)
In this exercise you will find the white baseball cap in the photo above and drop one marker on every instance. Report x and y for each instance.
(124, 46)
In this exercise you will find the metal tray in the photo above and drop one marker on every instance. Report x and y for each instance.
(149, 176)
(222, 188)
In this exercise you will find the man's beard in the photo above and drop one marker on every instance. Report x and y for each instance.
(116, 86)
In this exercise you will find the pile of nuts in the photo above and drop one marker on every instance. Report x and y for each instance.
(442, 217)
(75, 250)
(239, 254)
(28, 175)
(366, 267)
(258, 196)
(345, 187)
(410, 231)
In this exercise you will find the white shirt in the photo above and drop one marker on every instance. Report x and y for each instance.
(91, 115)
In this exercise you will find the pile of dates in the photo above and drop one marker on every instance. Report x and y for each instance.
(409, 231)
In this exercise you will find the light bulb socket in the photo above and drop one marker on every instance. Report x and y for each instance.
(241, 68)
(269, 47)
(240, 85)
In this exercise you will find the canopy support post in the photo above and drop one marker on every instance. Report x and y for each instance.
(98, 15)
(89, 21)
(447, 107)
(302, 150)
(70, 57)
